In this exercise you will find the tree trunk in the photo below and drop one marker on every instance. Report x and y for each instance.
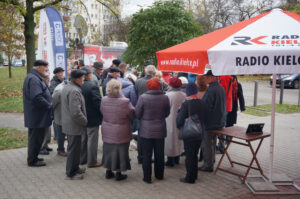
(9, 67)
(29, 26)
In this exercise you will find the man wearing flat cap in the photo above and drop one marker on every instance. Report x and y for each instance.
(113, 72)
(37, 103)
(57, 78)
(215, 100)
(98, 69)
(89, 140)
(74, 122)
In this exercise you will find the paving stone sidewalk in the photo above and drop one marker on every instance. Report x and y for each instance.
(17, 180)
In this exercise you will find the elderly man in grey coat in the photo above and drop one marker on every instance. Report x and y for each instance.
(57, 125)
(74, 122)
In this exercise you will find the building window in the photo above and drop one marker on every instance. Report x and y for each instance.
(92, 5)
(96, 5)
(96, 15)
(92, 15)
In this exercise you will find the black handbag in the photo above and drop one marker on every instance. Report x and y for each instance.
(192, 127)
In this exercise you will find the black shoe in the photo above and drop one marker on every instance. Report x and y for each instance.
(40, 159)
(83, 163)
(205, 169)
(169, 164)
(49, 149)
(149, 181)
(44, 152)
(120, 176)
(177, 159)
(159, 178)
(81, 170)
(37, 164)
(109, 174)
(184, 180)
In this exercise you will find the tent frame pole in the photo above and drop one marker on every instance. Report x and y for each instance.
(272, 127)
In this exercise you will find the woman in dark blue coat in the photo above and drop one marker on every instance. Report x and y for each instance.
(191, 146)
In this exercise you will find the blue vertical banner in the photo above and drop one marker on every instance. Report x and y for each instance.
(58, 39)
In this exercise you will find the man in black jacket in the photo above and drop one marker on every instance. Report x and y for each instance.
(215, 100)
(57, 78)
(37, 110)
(89, 141)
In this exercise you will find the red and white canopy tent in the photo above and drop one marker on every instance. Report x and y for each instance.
(266, 44)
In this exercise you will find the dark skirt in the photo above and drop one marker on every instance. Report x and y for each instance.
(116, 156)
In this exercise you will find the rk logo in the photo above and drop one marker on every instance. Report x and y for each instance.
(245, 40)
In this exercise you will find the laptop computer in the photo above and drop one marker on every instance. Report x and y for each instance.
(255, 128)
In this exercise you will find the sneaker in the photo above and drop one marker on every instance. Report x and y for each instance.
(62, 153)
(81, 170)
(75, 177)
(120, 176)
(37, 164)
(97, 164)
(109, 174)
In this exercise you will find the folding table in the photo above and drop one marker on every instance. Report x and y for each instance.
(238, 132)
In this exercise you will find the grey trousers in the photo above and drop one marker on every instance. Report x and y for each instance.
(209, 149)
(47, 138)
(89, 143)
(73, 158)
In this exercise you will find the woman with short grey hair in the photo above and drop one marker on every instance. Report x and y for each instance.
(117, 114)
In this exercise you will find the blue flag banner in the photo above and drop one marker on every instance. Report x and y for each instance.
(58, 39)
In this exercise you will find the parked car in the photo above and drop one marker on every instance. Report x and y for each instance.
(5, 63)
(290, 80)
(18, 63)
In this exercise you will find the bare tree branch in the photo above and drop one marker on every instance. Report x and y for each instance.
(46, 4)
(109, 8)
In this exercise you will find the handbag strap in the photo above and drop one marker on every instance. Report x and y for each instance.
(189, 107)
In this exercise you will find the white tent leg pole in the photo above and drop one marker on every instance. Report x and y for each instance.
(272, 127)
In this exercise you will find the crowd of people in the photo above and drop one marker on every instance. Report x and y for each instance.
(154, 104)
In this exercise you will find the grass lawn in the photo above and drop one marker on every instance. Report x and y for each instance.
(11, 89)
(12, 138)
(265, 110)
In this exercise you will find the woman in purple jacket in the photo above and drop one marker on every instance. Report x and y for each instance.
(152, 109)
(117, 114)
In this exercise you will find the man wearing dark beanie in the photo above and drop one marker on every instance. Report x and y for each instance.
(74, 122)
(215, 100)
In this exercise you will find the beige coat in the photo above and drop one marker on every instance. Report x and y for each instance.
(174, 146)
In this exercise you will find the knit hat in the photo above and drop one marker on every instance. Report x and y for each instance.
(175, 82)
(153, 84)
(191, 89)
(58, 70)
(209, 73)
